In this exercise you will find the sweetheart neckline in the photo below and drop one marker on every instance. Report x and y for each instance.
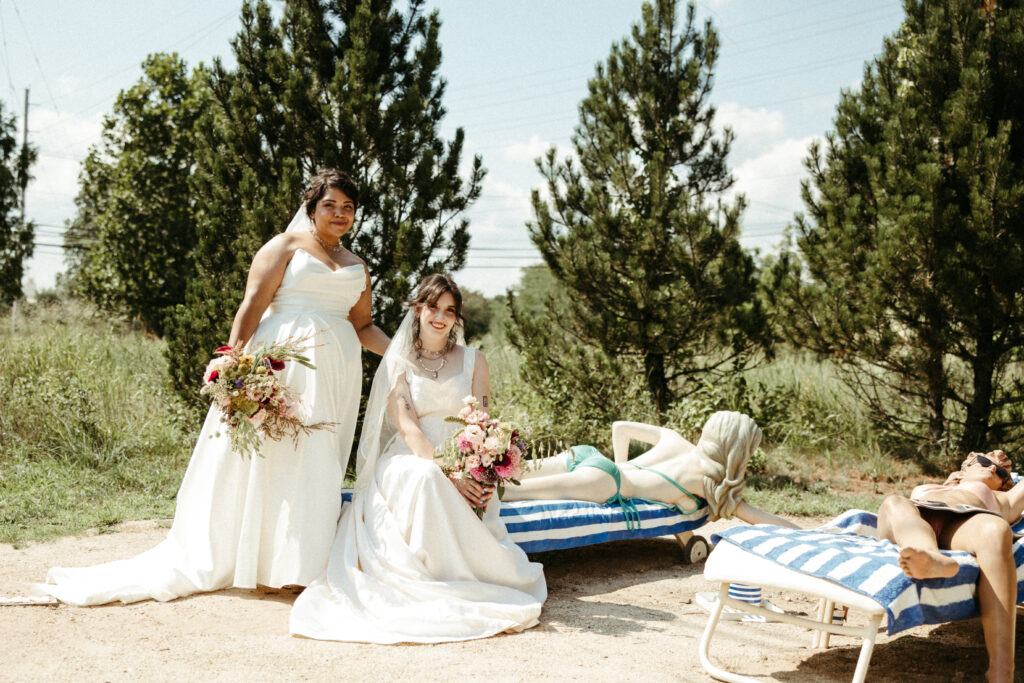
(333, 270)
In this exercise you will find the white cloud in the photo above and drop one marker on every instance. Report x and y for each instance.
(525, 151)
(756, 129)
(771, 183)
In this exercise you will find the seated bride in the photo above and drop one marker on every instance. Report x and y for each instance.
(673, 472)
(411, 561)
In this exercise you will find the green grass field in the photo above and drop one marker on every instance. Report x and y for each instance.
(90, 433)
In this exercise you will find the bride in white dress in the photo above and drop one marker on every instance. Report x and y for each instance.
(411, 561)
(266, 520)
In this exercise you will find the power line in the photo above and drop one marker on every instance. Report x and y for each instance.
(34, 55)
(7, 57)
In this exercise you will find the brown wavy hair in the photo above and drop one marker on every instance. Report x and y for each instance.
(325, 179)
(430, 289)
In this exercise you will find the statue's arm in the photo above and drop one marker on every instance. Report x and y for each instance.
(752, 515)
(624, 431)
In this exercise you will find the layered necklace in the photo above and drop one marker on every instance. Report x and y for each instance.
(422, 354)
(335, 249)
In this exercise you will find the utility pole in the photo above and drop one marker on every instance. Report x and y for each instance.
(24, 146)
(16, 309)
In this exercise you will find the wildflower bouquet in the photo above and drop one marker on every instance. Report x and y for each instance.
(487, 450)
(253, 401)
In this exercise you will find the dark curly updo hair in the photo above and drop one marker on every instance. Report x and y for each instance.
(325, 179)
(430, 289)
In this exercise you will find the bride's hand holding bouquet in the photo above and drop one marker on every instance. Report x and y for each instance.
(253, 401)
(486, 451)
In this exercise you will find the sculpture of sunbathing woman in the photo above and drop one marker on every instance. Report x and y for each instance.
(673, 472)
(972, 511)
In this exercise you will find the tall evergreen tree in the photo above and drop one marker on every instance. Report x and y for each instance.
(351, 84)
(16, 234)
(638, 235)
(910, 268)
(133, 234)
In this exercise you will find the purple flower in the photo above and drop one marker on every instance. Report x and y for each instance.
(238, 383)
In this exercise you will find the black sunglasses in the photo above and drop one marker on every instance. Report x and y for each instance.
(985, 462)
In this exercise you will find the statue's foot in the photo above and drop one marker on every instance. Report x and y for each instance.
(926, 564)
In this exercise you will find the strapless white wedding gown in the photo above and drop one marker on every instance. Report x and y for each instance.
(411, 561)
(267, 520)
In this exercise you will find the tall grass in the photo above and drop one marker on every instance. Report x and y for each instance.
(90, 433)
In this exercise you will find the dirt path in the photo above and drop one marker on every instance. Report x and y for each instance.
(619, 611)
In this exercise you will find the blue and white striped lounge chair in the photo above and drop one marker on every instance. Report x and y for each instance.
(540, 525)
(842, 563)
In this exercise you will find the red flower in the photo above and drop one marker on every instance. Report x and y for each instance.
(275, 364)
(213, 376)
(223, 349)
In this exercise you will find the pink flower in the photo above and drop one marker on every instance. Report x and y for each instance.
(479, 473)
(473, 462)
(509, 468)
(217, 365)
(258, 417)
(465, 445)
(492, 444)
(474, 434)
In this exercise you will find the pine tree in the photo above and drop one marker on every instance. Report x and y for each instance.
(910, 269)
(351, 84)
(658, 294)
(16, 235)
(133, 234)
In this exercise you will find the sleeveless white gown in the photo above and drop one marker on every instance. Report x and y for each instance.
(266, 520)
(411, 561)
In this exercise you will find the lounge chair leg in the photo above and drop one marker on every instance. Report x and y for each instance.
(866, 648)
(705, 642)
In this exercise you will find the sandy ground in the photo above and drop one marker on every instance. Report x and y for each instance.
(618, 611)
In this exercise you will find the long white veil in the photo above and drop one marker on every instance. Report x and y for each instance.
(379, 429)
(300, 221)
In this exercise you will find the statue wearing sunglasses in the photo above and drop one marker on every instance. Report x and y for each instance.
(972, 511)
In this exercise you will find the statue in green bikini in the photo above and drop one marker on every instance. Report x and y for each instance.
(672, 472)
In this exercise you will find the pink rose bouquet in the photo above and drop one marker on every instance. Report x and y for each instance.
(487, 450)
(253, 401)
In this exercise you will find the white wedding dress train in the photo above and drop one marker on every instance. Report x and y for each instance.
(411, 561)
(271, 519)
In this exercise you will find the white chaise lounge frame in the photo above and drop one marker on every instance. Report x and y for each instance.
(730, 564)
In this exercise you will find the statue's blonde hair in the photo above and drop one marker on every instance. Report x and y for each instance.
(726, 444)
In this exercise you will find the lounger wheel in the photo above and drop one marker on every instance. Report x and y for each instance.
(696, 550)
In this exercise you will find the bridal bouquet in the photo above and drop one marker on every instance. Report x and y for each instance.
(252, 399)
(487, 450)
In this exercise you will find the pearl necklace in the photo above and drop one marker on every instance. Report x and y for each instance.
(443, 355)
(336, 249)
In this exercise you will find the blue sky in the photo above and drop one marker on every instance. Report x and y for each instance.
(516, 73)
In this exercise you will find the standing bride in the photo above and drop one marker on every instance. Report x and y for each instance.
(411, 561)
(267, 520)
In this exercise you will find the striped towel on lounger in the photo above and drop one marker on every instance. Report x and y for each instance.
(845, 551)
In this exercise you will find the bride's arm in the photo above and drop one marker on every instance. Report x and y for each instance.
(402, 411)
(265, 275)
(481, 380)
(361, 317)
